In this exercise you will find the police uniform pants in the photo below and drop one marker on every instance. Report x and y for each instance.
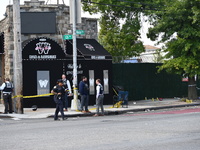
(7, 103)
(59, 108)
(99, 103)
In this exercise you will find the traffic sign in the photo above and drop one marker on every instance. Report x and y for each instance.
(67, 37)
(80, 32)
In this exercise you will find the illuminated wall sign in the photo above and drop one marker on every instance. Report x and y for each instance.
(91, 82)
(43, 82)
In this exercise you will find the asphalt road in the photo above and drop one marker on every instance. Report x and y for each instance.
(156, 130)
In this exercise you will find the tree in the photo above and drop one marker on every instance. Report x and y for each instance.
(120, 40)
(158, 57)
(119, 26)
(179, 24)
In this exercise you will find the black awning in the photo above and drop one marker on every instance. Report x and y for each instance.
(42, 48)
(88, 48)
(1, 43)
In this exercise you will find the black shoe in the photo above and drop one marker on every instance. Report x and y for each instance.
(64, 119)
(5, 113)
(56, 119)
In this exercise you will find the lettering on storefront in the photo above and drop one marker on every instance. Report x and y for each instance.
(98, 57)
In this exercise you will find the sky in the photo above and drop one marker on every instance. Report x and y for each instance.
(145, 26)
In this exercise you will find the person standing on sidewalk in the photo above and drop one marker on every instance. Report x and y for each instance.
(67, 86)
(99, 98)
(84, 92)
(59, 93)
(7, 88)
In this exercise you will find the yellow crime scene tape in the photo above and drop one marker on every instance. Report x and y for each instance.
(117, 105)
(33, 96)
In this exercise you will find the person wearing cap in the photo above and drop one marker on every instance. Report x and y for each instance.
(68, 88)
(7, 88)
(59, 93)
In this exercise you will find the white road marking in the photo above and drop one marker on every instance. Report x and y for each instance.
(16, 119)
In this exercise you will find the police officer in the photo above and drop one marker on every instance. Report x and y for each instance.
(59, 92)
(99, 98)
(7, 88)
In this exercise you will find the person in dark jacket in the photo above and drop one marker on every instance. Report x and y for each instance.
(59, 93)
(84, 93)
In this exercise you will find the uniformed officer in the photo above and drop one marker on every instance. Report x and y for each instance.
(59, 92)
(7, 88)
(99, 98)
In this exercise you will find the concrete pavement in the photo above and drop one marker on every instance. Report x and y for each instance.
(134, 106)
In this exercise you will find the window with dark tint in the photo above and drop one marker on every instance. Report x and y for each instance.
(1, 43)
(38, 22)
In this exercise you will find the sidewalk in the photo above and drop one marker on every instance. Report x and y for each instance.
(134, 106)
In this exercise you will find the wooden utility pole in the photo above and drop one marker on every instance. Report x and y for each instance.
(17, 56)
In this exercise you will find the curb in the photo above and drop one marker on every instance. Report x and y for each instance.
(117, 112)
(5, 116)
(152, 108)
(107, 113)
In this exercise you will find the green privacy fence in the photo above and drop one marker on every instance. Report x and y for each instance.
(142, 80)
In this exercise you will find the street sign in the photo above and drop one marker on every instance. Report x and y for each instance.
(80, 32)
(67, 37)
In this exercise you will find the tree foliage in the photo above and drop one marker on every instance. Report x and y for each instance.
(119, 26)
(179, 26)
